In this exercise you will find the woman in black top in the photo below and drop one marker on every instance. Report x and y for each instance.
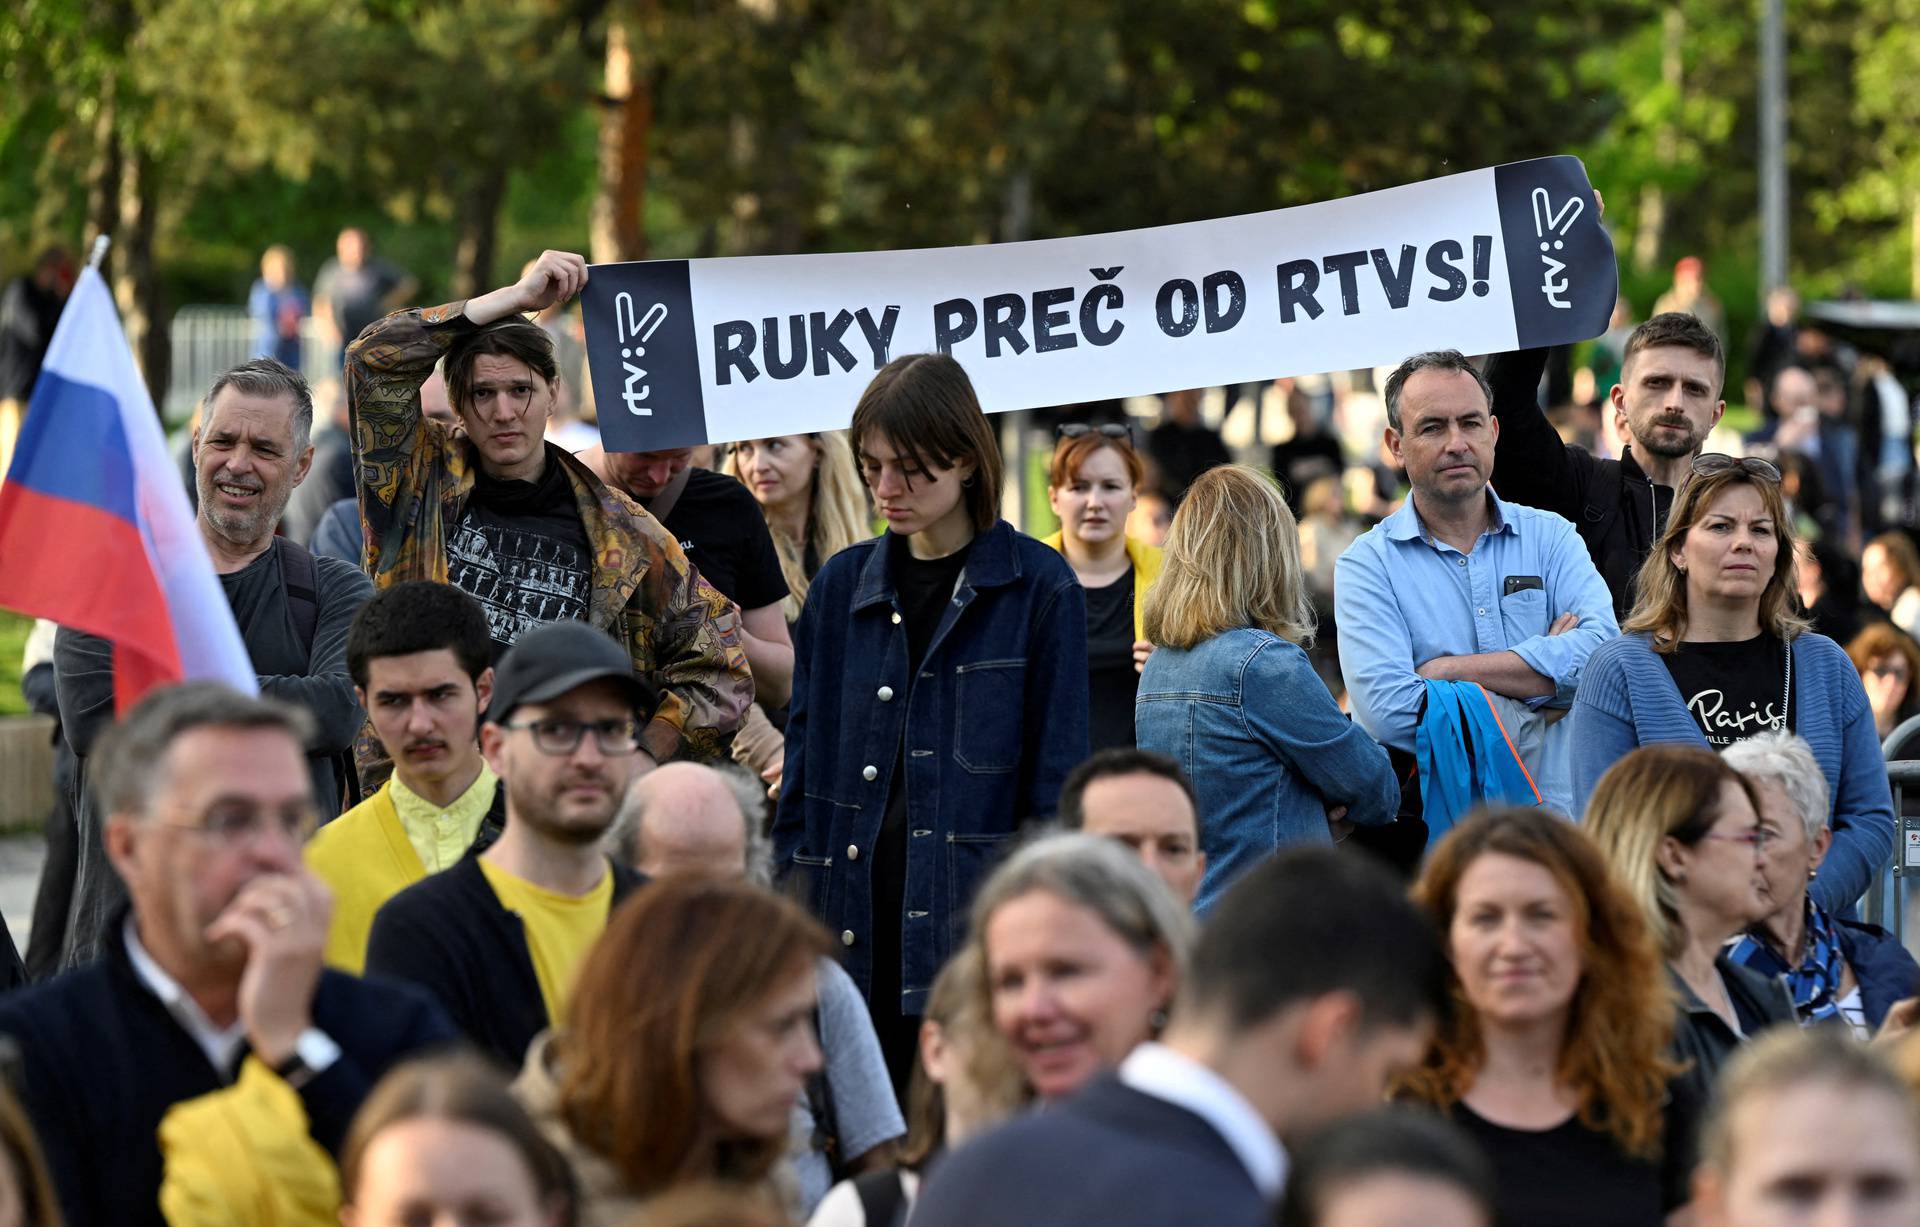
(1093, 487)
(1554, 1064)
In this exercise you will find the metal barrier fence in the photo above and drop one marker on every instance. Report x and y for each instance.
(210, 339)
(1886, 902)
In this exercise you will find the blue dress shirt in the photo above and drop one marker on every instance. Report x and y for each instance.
(1402, 597)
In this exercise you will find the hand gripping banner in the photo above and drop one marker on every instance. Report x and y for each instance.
(684, 352)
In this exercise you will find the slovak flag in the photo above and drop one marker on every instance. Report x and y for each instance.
(95, 529)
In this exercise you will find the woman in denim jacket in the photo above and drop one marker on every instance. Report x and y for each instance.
(1230, 694)
(939, 696)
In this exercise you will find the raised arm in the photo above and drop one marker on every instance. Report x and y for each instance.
(396, 449)
(1532, 465)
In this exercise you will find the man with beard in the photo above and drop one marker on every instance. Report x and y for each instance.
(211, 985)
(1666, 402)
(498, 937)
(419, 655)
(293, 609)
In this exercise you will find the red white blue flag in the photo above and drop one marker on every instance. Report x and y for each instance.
(95, 529)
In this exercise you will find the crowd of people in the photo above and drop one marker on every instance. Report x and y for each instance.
(639, 838)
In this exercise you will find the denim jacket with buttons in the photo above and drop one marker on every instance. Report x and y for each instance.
(993, 723)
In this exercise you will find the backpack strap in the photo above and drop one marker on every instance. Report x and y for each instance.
(301, 578)
(882, 1196)
(1602, 509)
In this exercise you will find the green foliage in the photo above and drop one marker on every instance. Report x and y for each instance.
(818, 125)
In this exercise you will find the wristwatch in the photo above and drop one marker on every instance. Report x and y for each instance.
(313, 1054)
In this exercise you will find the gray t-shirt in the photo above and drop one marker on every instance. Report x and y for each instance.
(863, 1102)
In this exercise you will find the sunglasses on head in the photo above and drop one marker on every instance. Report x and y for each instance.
(1706, 464)
(1112, 430)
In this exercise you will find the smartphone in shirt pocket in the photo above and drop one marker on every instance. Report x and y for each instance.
(1523, 608)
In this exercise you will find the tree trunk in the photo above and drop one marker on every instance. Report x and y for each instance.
(626, 123)
(138, 287)
(477, 222)
(103, 181)
(1650, 235)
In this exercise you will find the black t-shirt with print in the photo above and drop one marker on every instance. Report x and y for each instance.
(1733, 690)
(725, 536)
(522, 552)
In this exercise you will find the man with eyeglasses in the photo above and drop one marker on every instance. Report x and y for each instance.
(1666, 403)
(497, 938)
(211, 987)
(520, 524)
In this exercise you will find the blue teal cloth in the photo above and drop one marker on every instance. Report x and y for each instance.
(1401, 599)
(1627, 699)
(1467, 758)
(1268, 750)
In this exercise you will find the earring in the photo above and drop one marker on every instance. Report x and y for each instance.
(1812, 874)
(1157, 1021)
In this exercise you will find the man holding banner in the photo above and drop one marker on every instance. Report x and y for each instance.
(1666, 402)
(520, 524)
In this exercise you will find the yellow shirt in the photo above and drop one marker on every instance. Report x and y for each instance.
(369, 854)
(442, 836)
(560, 928)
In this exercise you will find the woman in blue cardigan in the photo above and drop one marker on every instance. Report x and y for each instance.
(1714, 653)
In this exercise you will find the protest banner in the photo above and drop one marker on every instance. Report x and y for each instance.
(684, 352)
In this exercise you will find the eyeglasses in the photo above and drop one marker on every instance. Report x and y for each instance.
(1706, 464)
(1757, 839)
(1111, 430)
(558, 737)
(232, 824)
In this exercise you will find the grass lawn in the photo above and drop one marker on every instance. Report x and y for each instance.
(13, 641)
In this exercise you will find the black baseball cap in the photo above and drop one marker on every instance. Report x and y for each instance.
(556, 657)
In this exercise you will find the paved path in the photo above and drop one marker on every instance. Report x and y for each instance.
(20, 860)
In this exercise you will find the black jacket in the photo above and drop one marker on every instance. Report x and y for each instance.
(101, 1061)
(1701, 1038)
(1111, 1156)
(1613, 505)
(449, 934)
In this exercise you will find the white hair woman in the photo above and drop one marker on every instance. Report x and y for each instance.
(1835, 968)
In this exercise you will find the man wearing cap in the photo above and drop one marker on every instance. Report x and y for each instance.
(497, 938)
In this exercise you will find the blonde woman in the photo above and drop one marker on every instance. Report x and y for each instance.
(1714, 653)
(1230, 694)
(809, 491)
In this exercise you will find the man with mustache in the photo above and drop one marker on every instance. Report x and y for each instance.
(418, 653)
(497, 938)
(1460, 584)
(293, 609)
(1666, 402)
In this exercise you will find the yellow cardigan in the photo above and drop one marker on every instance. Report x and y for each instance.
(1147, 561)
(365, 858)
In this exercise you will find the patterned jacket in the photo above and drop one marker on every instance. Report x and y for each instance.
(415, 475)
